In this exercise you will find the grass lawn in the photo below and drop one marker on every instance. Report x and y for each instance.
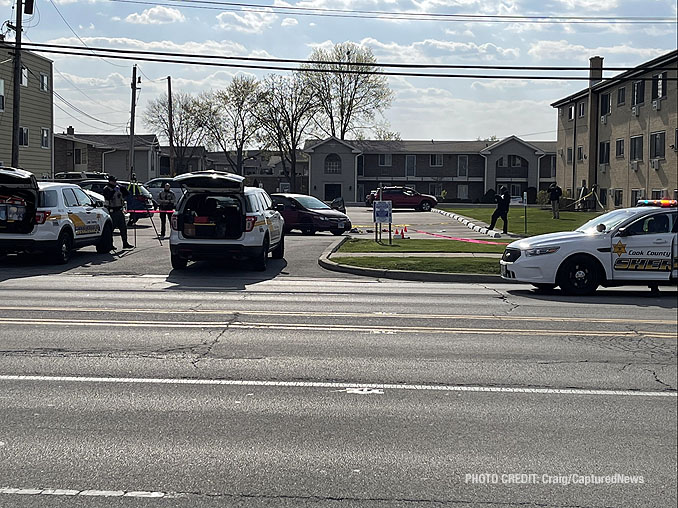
(364, 245)
(539, 221)
(446, 265)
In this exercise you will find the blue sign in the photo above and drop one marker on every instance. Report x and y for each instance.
(382, 212)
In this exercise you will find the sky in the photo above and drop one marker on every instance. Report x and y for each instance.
(98, 94)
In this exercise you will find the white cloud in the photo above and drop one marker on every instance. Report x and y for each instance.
(589, 5)
(437, 51)
(157, 15)
(289, 22)
(566, 51)
(208, 47)
(247, 22)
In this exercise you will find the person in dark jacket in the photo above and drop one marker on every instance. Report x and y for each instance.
(503, 200)
(554, 196)
(166, 203)
(115, 198)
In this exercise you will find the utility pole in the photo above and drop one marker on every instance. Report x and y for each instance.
(16, 100)
(131, 123)
(170, 113)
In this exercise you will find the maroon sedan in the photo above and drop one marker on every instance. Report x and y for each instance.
(308, 214)
(403, 197)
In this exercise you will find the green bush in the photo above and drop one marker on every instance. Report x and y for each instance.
(543, 198)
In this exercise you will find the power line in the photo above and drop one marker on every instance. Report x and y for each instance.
(75, 108)
(81, 121)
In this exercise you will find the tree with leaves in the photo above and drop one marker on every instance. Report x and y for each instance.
(348, 91)
(286, 110)
(189, 131)
(231, 119)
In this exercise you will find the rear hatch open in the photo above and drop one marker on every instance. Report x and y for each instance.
(18, 201)
(214, 206)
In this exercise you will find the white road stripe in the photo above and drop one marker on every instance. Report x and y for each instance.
(337, 386)
(88, 493)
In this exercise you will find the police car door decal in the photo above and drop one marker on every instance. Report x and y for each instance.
(646, 253)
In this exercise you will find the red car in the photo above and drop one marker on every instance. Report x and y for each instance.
(403, 197)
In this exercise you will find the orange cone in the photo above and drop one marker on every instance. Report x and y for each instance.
(402, 234)
(396, 232)
(405, 229)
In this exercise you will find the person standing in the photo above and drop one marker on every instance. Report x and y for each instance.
(115, 199)
(166, 203)
(503, 200)
(554, 196)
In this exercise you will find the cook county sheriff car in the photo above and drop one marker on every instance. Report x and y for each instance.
(628, 246)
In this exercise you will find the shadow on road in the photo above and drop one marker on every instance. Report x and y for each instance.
(667, 297)
(222, 276)
(32, 265)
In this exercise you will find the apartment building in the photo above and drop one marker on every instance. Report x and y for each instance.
(620, 135)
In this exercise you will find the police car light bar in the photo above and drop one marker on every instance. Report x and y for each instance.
(665, 203)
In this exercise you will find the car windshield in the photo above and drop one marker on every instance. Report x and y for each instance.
(311, 203)
(610, 220)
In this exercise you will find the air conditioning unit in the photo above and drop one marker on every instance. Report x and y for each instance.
(603, 119)
(654, 164)
(560, 151)
(603, 168)
(635, 110)
(656, 105)
(635, 165)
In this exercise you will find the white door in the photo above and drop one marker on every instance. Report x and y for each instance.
(272, 216)
(83, 219)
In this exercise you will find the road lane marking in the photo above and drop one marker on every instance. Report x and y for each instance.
(331, 328)
(87, 493)
(335, 386)
(361, 315)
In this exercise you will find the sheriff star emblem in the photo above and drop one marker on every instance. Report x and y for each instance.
(619, 248)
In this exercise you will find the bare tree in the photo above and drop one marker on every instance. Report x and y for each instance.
(286, 108)
(348, 91)
(189, 130)
(231, 119)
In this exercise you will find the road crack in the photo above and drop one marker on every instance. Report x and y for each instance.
(204, 349)
(503, 297)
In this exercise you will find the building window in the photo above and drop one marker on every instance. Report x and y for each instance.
(436, 160)
(44, 138)
(580, 153)
(385, 159)
(605, 104)
(333, 164)
(636, 194)
(23, 136)
(515, 161)
(657, 145)
(638, 92)
(410, 165)
(637, 148)
(435, 189)
(660, 194)
(462, 191)
(360, 165)
(582, 109)
(80, 157)
(604, 152)
(618, 197)
(44, 82)
(501, 163)
(619, 148)
(569, 154)
(603, 197)
(462, 165)
(553, 166)
(659, 85)
(570, 112)
(24, 76)
(2, 94)
(621, 96)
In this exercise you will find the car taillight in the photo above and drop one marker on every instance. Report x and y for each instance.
(175, 222)
(249, 223)
(41, 217)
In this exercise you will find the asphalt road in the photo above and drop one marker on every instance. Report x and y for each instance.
(125, 385)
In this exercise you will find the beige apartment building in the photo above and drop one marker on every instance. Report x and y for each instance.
(620, 135)
(37, 114)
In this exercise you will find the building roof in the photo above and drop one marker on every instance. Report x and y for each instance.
(659, 62)
(112, 141)
(198, 151)
(541, 147)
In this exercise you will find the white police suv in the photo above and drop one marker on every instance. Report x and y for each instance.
(627, 246)
(219, 218)
(48, 217)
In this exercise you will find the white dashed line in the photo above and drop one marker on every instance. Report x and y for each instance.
(339, 386)
(89, 493)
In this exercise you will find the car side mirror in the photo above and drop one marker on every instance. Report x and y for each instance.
(280, 207)
(600, 228)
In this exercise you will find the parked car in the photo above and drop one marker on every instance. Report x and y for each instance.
(308, 214)
(219, 218)
(49, 217)
(79, 176)
(157, 185)
(139, 197)
(403, 197)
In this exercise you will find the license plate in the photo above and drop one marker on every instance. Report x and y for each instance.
(503, 270)
(340, 224)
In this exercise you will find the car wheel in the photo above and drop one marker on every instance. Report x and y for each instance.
(261, 260)
(64, 246)
(337, 232)
(279, 251)
(544, 287)
(578, 275)
(105, 243)
(425, 206)
(178, 263)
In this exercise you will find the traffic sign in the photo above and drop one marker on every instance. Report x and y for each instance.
(382, 212)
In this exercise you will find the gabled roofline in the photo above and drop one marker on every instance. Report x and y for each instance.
(81, 140)
(488, 150)
(311, 149)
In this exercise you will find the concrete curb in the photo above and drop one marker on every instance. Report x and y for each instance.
(325, 262)
(480, 229)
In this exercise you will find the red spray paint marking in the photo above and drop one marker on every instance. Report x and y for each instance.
(469, 240)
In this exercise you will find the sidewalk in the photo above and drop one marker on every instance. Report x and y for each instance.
(419, 254)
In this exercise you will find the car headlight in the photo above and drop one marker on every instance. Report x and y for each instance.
(540, 251)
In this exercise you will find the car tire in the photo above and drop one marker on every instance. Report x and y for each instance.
(105, 243)
(178, 263)
(425, 206)
(261, 261)
(279, 251)
(579, 275)
(544, 287)
(337, 232)
(63, 248)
